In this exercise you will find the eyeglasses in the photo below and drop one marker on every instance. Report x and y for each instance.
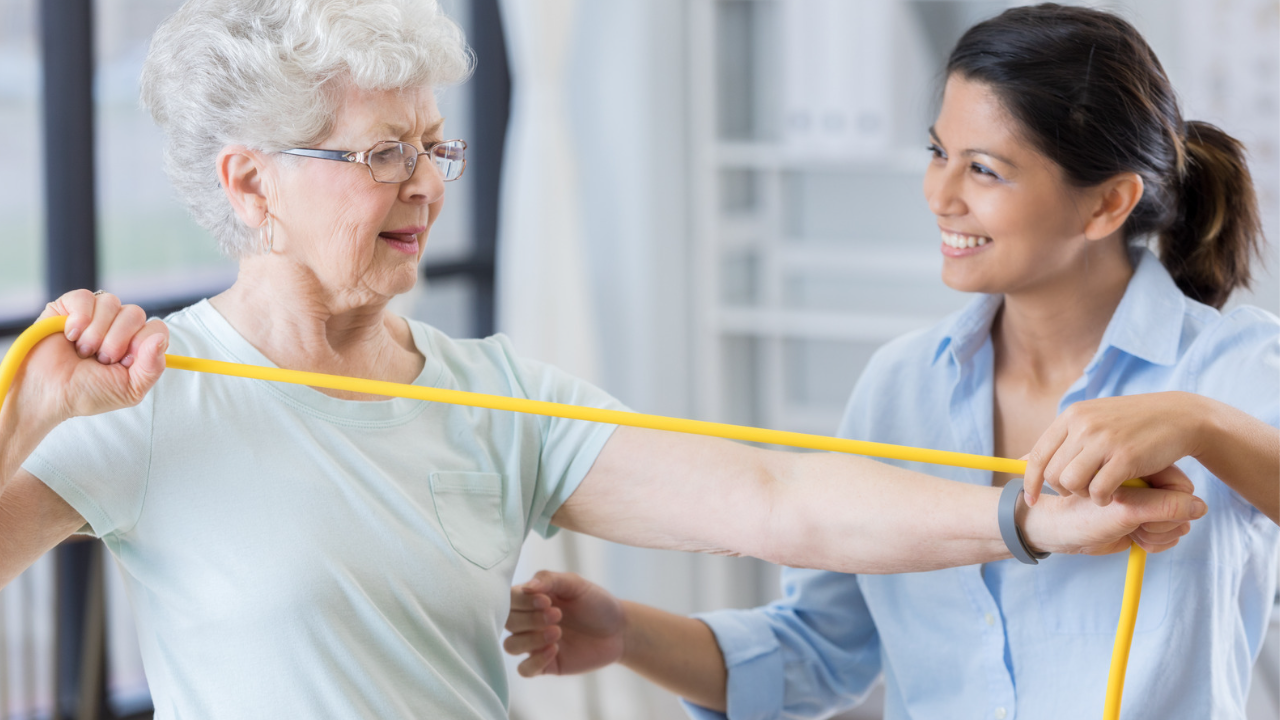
(391, 161)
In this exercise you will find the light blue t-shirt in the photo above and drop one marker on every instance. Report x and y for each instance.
(290, 554)
(1006, 641)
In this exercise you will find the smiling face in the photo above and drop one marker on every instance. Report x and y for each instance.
(1009, 220)
(360, 240)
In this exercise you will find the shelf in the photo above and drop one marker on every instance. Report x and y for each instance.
(828, 256)
(809, 325)
(779, 157)
(836, 257)
(741, 230)
(812, 250)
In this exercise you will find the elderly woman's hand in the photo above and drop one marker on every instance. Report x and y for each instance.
(1155, 519)
(108, 358)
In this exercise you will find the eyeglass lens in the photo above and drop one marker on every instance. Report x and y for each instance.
(450, 157)
(393, 162)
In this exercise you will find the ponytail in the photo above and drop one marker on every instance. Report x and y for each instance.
(1217, 232)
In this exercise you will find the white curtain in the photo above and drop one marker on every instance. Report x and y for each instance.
(543, 296)
(543, 290)
(594, 217)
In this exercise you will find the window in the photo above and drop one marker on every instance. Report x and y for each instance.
(150, 251)
(21, 172)
(117, 224)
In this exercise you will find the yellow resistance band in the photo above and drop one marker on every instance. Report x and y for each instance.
(1137, 557)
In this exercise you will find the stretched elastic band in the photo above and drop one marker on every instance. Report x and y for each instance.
(1012, 536)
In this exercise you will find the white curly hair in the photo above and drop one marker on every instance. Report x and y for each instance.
(268, 74)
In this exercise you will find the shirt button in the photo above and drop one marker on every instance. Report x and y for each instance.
(1000, 712)
(991, 620)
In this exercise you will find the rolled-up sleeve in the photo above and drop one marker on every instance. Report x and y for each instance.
(754, 661)
(812, 653)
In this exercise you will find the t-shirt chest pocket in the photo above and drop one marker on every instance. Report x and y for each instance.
(470, 508)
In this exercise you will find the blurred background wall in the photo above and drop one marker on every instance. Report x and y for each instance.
(711, 208)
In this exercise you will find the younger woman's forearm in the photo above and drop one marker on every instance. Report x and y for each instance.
(677, 653)
(1243, 452)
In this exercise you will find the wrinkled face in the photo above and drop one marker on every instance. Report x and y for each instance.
(360, 239)
(1008, 218)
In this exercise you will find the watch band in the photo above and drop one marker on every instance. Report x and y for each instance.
(1009, 530)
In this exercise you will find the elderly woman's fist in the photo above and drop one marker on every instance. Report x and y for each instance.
(108, 358)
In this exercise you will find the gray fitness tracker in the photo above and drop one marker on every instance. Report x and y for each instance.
(1009, 529)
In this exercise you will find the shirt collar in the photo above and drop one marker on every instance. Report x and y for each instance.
(968, 329)
(1146, 324)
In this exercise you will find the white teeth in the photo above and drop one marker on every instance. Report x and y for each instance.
(958, 241)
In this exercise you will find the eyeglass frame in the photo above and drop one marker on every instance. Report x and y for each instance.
(362, 157)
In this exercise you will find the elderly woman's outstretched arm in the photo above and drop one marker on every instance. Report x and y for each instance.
(113, 359)
(839, 512)
(829, 511)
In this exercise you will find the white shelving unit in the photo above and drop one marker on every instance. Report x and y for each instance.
(808, 258)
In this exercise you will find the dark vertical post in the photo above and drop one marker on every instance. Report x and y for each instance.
(66, 50)
(80, 632)
(66, 53)
(491, 103)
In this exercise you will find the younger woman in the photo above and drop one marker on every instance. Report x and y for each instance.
(1058, 153)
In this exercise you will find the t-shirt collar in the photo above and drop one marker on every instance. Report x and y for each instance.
(392, 410)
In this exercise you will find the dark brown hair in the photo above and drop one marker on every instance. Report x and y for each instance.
(1090, 95)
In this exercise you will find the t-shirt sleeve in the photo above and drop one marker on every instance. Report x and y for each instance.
(99, 465)
(569, 447)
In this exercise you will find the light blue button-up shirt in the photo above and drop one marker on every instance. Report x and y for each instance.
(1004, 640)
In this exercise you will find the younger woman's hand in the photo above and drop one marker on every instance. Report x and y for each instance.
(1095, 445)
(1155, 519)
(565, 624)
(108, 357)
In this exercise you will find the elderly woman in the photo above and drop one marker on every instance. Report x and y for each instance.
(293, 552)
